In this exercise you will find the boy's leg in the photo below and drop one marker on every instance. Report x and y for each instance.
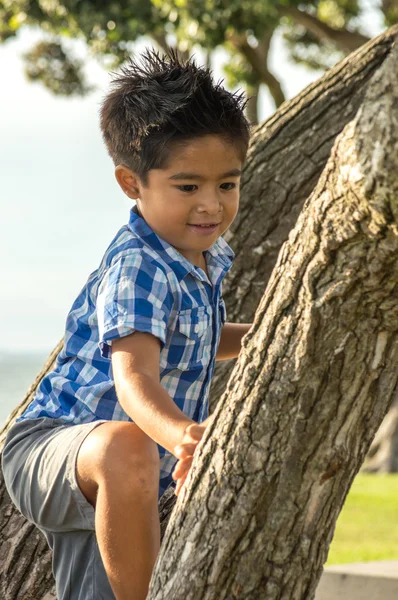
(38, 460)
(117, 470)
(39, 464)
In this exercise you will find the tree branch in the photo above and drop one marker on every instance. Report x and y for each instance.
(258, 59)
(160, 38)
(344, 39)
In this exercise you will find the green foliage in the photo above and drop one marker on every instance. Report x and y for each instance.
(238, 70)
(390, 12)
(212, 18)
(107, 28)
(47, 62)
(337, 13)
(304, 47)
(243, 27)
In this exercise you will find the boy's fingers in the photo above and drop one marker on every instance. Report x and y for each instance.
(181, 467)
(183, 450)
(194, 431)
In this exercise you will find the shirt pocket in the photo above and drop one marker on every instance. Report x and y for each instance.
(191, 342)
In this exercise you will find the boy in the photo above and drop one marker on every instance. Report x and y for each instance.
(91, 455)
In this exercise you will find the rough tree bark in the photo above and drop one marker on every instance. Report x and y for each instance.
(286, 158)
(315, 377)
(288, 153)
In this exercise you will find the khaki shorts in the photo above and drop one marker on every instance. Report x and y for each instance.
(39, 466)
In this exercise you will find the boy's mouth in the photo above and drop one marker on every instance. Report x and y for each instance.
(203, 224)
(205, 228)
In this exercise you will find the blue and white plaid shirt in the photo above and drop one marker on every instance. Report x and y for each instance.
(142, 284)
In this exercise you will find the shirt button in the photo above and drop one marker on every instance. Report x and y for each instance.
(196, 328)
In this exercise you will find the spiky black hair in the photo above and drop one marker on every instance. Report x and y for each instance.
(165, 103)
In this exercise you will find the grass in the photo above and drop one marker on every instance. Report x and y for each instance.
(367, 527)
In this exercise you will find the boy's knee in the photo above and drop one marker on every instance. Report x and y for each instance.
(119, 450)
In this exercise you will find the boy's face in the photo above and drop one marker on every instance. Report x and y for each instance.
(176, 206)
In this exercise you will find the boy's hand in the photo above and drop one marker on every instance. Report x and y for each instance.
(185, 451)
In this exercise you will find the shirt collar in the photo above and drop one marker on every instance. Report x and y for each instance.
(220, 254)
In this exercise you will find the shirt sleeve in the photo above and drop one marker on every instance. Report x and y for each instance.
(134, 295)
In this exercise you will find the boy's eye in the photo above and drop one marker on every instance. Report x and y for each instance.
(183, 188)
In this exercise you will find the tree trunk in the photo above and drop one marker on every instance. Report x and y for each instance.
(252, 91)
(287, 155)
(257, 57)
(284, 163)
(290, 150)
(315, 377)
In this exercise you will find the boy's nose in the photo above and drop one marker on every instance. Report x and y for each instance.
(210, 204)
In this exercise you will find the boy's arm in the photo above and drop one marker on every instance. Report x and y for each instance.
(135, 366)
(231, 340)
(229, 347)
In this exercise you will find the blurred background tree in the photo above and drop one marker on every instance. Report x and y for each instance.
(318, 34)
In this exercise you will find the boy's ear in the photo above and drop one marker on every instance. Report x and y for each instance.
(128, 181)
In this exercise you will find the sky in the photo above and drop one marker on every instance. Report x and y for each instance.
(60, 203)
